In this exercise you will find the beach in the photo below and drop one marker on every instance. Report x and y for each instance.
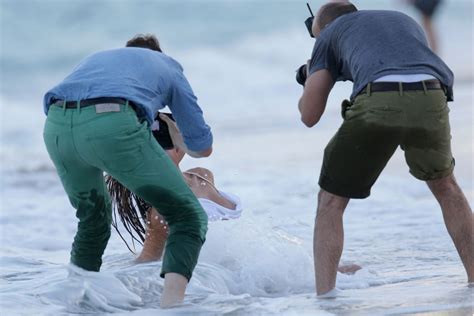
(243, 75)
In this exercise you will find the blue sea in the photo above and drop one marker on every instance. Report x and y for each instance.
(240, 57)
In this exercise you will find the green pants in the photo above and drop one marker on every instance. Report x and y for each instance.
(83, 144)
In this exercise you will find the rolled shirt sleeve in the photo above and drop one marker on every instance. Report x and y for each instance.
(183, 104)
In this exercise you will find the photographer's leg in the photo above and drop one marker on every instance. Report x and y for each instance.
(353, 160)
(328, 239)
(458, 219)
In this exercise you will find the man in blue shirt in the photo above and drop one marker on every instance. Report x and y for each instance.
(98, 119)
(399, 99)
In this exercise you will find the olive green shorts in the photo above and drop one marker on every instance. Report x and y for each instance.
(373, 128)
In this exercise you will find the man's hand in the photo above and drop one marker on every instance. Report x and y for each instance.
(178, 141)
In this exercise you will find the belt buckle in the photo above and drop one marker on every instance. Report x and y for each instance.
(107, 107)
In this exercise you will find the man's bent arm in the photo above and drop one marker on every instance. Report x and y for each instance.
(195, 133)
(315, 95)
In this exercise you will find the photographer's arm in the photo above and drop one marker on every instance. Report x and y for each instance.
(315, 95)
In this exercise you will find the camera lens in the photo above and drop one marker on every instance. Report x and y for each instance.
(301, 75)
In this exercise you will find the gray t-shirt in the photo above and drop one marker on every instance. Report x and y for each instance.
(366, 45)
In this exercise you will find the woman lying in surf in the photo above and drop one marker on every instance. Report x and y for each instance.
(136, 214)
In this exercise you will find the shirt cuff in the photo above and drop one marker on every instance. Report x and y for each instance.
(199, 144)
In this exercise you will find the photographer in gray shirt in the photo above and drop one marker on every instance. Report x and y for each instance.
(399, 98)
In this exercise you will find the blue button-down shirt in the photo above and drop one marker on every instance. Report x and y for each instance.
(148, 78)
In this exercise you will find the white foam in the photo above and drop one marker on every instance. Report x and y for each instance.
(90, 290)
(261, 263)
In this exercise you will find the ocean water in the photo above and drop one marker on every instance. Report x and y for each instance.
(240, 57)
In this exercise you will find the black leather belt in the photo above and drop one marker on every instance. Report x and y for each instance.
(89, 102)
(405, 86)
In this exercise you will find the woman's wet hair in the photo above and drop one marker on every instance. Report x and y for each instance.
(130, 209)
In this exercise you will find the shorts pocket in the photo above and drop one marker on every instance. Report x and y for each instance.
(439, 109)
(352, 111)
(384, 116)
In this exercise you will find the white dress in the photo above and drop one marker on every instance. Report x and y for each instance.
(217, 212)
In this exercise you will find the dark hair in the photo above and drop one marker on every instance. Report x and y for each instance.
(331, 11)
(130, 209)
(145, 41)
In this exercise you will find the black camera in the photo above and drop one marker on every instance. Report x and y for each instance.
(301, 74)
